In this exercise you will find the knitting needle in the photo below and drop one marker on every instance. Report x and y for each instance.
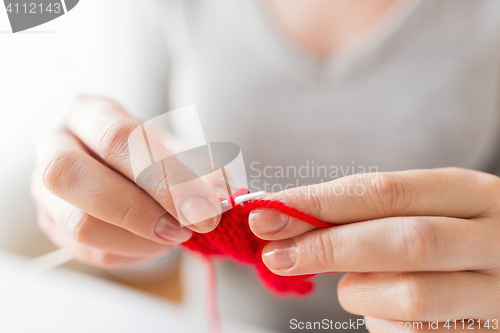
(243, 198)
(48, 261)
(248, 197)
(56, 258)
(232, 186)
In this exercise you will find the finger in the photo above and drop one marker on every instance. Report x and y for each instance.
(71, 174)
(87, 230)
(387, 245)
(127, 145)
(376, 325)
(270, 224)
(86, 254)
(420, 296)
(449, 192)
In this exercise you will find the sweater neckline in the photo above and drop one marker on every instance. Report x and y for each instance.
(274, 47)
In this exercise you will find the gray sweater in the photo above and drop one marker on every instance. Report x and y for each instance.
(422, 92)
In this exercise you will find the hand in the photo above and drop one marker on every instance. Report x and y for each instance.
(420, 245)
(87, 200)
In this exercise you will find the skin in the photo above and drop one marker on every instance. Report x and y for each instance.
(83, 160)
(324, 28)
(87, 201)
(419, 244)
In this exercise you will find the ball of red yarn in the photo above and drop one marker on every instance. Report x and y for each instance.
(233, 239)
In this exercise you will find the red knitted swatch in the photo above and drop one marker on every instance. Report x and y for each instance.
(233, 239)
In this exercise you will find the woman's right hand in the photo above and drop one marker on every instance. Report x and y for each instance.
(87, 200)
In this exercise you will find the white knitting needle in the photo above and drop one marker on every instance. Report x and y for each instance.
(248, 197)
(243, 198)
(56, 258)
(48, 261)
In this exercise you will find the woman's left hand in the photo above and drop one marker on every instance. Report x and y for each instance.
(420, 245)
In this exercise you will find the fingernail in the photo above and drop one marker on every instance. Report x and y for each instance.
(199, 213)
(267, 221)
(168, 228)
(281, 255)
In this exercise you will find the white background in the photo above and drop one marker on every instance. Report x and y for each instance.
(95, 48)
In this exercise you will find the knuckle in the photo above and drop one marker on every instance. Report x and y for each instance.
(130, 215)
(102, 258)
(59, 168)
(312, 195)
(486, 181)
(164, 180)
(388, 193)
(418, 240)
(108, 260)
(79, 226)
(321, 250)
(490, 187)
(413, 289)
(315, 195)
(483, 179)
(112, 137)
(160, 183)
(491, 182)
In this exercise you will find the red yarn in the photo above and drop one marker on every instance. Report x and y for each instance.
(234, 239)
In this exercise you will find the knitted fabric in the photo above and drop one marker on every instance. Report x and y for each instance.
(233, 239)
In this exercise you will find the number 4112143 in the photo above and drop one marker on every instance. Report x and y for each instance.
(33, 8)
(471, 324)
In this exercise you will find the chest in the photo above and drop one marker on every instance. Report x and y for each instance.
(416, 99)
(324, 27)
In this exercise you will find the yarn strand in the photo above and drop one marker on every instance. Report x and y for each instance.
(233, 239)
